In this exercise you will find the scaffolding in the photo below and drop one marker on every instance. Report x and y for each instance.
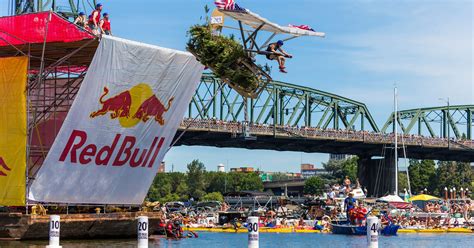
(59, 55)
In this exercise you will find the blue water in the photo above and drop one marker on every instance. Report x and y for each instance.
(224, 240)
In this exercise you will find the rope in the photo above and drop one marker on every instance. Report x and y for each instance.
(194, 119)
(406, 165)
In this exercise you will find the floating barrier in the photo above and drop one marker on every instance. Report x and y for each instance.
(437, 230)
(296, 230)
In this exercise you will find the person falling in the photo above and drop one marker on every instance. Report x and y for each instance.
(276, 52)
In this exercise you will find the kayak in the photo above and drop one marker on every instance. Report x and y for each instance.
(459, 230)
(307, 231)
(437, 230)
(276, 230)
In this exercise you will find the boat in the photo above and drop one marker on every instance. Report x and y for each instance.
(348, 229)
(391, 229)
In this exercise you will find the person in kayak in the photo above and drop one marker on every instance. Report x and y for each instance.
(274, 51)
(349, 202)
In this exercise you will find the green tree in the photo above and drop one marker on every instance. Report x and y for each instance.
(217, 182)
(196, 179)
(214, 196)
(402, 181)
(453, 174)
(239, 181)
(160, 187)
(338, 169)
(422, 175)
(279, 176)
(314, 185)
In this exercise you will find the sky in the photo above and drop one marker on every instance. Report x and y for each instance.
(424, 47)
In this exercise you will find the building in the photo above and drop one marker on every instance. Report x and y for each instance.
(307, 166)
(308, 170)
(220, 168)
(243, 169)
(277, 176)
(339, 156)
(162, 167)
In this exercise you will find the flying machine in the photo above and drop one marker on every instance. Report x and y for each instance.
(256, 33)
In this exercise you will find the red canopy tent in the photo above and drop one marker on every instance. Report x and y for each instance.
(25, 35)
(31, 28)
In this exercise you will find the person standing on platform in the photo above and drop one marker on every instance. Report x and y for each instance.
(349, 203)
(105, 25)
(81, 20)
(94, 20)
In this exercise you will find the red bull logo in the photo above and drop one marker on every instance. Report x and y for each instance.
(132, 106)
(3, 168)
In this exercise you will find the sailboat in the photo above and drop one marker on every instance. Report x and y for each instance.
(391, 229)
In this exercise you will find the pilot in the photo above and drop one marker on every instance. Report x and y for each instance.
(276, 52)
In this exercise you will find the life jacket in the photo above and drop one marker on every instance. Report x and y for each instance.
(106, 24)
(97, 18)
(360, 213)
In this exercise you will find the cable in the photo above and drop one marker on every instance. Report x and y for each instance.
(194, 119)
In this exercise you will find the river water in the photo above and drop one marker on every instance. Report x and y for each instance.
(290, 240)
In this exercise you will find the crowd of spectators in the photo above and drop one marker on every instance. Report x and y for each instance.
(340, 134)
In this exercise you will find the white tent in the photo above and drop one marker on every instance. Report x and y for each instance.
(391, 198)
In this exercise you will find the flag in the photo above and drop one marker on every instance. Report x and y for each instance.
(13, 77)
(304, 27)
(228, 5)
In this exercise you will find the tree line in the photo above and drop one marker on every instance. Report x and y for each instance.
(423, 174)
(199, 184)
(434, 177)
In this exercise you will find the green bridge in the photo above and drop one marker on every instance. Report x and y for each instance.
(289, 117)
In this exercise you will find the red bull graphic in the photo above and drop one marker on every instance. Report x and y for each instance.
(152, 107)
(118, 105)
(139, 100)
(3, 168)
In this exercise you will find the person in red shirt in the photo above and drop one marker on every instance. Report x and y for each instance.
(105, 25)
(360, 213)
(94, 19)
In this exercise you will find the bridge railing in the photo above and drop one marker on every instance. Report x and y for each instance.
(236, 129)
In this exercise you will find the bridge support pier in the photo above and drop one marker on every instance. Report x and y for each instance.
(377, 174)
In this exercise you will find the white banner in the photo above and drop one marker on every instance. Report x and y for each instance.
(120, 125)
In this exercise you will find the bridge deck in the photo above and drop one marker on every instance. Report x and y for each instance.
(280, 138)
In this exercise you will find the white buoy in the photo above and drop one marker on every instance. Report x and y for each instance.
(54, 227)
(142, 230)
(372, 232)
(253, 231)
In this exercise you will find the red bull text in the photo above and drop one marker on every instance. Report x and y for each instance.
(77, 151)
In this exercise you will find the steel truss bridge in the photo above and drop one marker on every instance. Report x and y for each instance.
(287, 117)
